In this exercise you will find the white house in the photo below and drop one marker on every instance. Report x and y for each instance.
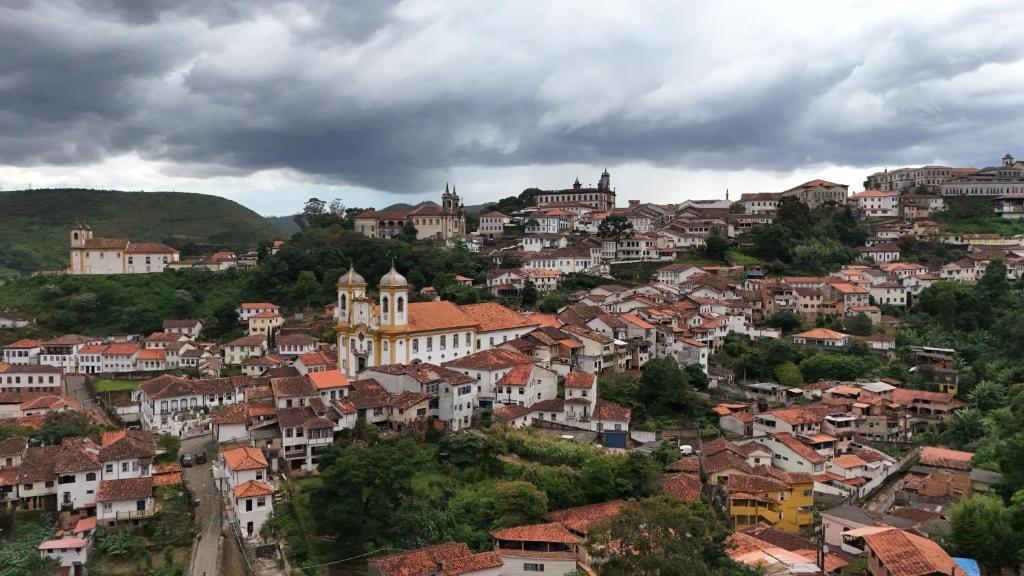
(245, 347)
(31, 378)
(252, 502)
(128, 499)
(249, 309)
(69, 552)
(487, 367)
(877, 203)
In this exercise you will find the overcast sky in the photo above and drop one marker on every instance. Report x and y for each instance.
(375, 101)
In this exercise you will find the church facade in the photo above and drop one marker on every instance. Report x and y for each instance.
(432, 221)
(389, 329)
(601, 198)
(89, 255)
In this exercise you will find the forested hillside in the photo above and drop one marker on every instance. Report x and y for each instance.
(34, 223)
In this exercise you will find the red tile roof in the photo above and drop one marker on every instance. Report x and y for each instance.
(683, 486)
(127, 489)
(492, 359)
(584, 380)
(551, 532)
(252, 489)
(491, 316)
(581, 518)
(245, 458)
(946, 458)
(328, 379)
(608, 410)
(419, 562)
(906, 554)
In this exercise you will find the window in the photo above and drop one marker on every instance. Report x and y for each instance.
(532, 567)
(109, 469)
(401, 304)
(124, 466)
(107, 506)
(261, 501)
(415, 344)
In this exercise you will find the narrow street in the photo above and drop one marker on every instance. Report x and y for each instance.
(208, 511)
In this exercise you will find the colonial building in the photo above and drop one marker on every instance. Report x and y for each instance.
(992, 181)
(600, 198)
(444, 222)
(90, 255)
(394, 331)
(818, 192)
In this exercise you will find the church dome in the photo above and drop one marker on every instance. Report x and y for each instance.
(351, 278)
(393, 279)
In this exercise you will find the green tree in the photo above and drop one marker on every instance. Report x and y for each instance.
(517, 503)
(528, 295)
(615, 227)
(59, 425)
(643, 539)
(789, 375)
(858, 324)
(552, 302)
(987, 395)
(408, 233)
(981, 529)
(785, 320)
(715, 248)
(366, 489)
(665, 389)
(306, 286)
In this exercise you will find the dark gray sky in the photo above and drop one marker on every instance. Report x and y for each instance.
(376, 101)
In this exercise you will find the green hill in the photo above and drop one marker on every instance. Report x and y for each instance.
(34, 223)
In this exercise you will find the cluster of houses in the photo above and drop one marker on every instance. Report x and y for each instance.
(90, 483)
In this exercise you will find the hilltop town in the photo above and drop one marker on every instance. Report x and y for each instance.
(803, 381)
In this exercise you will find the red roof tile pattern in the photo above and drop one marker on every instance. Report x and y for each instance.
(582, 380)
(127, 489)
(905, 554)
(682, 486)
(252, 489)
(946, 458)
(244, 458)
(420, 562)
(581, 518)
(491, 359)
(551, 532)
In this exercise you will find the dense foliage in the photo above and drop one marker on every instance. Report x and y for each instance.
(801, 240)
(34, 224)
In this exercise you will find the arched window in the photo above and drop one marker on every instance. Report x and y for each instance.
(384, 345)
(344, 301)
(385, 306)
(401, 304)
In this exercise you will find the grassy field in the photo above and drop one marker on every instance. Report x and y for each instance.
(116, 385)
(34, 224)
(740, 259)
(988, 225)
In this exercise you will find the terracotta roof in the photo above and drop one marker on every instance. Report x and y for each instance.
(905, 554)
(491, 316)
(254, 340)
(420, 562)
(408, 399)
(150, 248)
(367, 394)
(584, 380)
(244, 458)
(946, 458)
(801, 449)
(23, 344)
(472, 563)
(62, 543)
(821, 334)
(848, 461)
(257, 305)
(608, 410)
(723, 461)
(519, 375)
(134, 444)
(511, 412)
(754, 484)
(907, 396)
(328, 379)
(491, 359)
(425, 373)
(683, 486)
(12, 447)
(76, 455)
(302, 416)
(295, 340)
(158, 354)
(252, 489)
(434, 316)
(317, 358)
(294, 386)
(127, 489)
(551, 532)
(107, 243)
(581, 518)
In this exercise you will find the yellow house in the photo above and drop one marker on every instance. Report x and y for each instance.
(264, 323)
(772, 496)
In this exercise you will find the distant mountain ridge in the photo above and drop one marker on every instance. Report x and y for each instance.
(34, 224)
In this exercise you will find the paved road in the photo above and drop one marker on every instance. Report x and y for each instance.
(208, 513)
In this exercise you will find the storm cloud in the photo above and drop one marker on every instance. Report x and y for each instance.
(391, 96)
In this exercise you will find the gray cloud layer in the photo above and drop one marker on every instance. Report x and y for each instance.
(388, 95)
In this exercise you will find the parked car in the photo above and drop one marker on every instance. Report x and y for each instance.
(186, 460)
(200, 458)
